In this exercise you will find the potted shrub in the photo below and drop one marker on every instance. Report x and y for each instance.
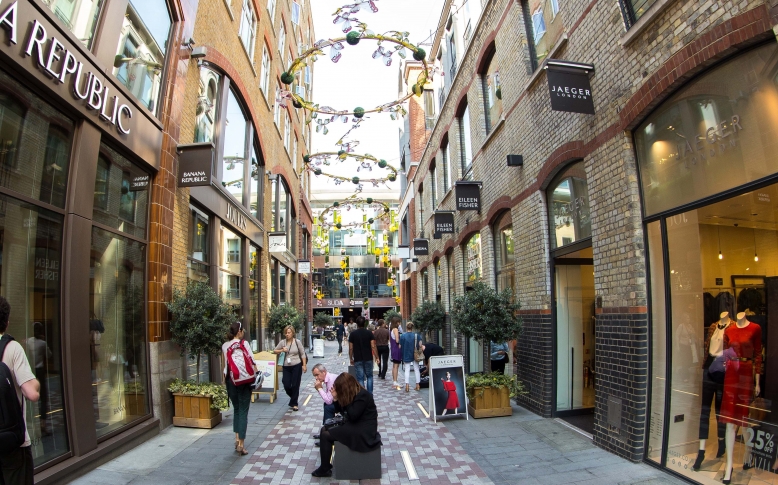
(391, 313)
(487, 315)
(199, 324)
(322, 320)
(428, 317)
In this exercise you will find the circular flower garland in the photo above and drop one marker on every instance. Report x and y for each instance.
(400, 39)
(313, 162)
(353, 202)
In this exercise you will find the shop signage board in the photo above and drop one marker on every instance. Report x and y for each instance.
(761, 441)
(421, 247)
(267, 364)
(447, 393)
(277, 242)
(304, 266)
(468, 196)
(194, 164)
(444, 222)
(236, 217)
(140, 182)
(568, 85)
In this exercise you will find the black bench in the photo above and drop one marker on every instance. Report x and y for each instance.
(353, 465)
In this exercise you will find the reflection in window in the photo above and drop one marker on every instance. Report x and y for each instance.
(634, 9)
(230, 268)
(198, 255)
(503, 239)
(117, 205)
(234, 156)
(142, 46)
(429, 109)
(256, 184)
(542, 27)
(254, 323)
(492, 95)
(79, 16)
(207, 101)
(568, 201)
(465, 145)
(425, 285)
(30, 269)
(473, 259)
(117, 331)
(55, 166)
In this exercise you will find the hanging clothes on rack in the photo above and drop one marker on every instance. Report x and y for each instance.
(751, 299)
(709, 308)
(725, 302)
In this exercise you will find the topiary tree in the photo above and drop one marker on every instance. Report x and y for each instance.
(486, 315)
(389, 314)
(322, 319)
(282, 315)
(429, 317)
(200, 320)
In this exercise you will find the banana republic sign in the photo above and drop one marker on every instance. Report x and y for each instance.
(468, 196)
(568, 84)
(194, 164)
(421, 247)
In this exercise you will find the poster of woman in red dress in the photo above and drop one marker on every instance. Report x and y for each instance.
(452, 403)
(447, 386)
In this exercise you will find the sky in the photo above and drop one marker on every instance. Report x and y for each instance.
(359, 80)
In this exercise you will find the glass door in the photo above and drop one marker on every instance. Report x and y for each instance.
(574, 285)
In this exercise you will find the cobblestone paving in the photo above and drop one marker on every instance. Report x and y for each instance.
(288, 455)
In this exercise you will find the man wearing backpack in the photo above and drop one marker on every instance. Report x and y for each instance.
(17, 382)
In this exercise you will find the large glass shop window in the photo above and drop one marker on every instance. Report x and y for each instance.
(568, 205)
(117, 330)
(230, 274)
(35, 144)
(234, 155)
(30, 269)
(254, 292)
(199, 246)
(716, 134)
(473, 272)
(140, 55)
(80, 16)
(117, 203)
(207, 104)
(503, 241)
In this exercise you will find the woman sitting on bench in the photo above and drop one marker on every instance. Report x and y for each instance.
(359, 432)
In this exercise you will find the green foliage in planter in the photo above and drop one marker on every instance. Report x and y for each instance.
(200, 320)
(322, 319)
(133, 388)
(428, 317)
(282, 315)
(389, 314)
(486, 315)
(192, 388)
(476, 382)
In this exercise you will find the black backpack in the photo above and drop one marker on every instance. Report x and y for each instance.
(12, 424)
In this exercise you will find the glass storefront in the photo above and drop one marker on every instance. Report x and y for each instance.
(254, 292)
(473, 272)
(714, 273)
(230, 274)
(568, 202)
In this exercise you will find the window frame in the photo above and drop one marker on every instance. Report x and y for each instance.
(271, 9)
(248, 6)
(264, 80)
(433, 187)
(281, 41)
(465, 142)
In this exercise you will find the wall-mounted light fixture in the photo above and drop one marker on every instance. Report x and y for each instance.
(515, 160)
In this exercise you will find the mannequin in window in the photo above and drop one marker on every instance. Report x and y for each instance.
(743, 349)
(712, 386)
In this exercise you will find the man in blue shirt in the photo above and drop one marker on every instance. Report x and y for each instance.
(499, 356)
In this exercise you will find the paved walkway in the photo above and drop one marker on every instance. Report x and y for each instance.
(523, 448)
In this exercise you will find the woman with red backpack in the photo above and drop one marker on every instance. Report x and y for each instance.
(239, 372)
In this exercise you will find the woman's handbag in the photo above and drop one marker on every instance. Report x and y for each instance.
(418, 354)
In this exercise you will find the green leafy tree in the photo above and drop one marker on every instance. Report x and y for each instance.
(428, 317)
(282, 315)
(200, 320)
(487, 315)
(391, 313)
(322, 319)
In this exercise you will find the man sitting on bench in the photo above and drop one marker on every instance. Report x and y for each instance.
(359, 432)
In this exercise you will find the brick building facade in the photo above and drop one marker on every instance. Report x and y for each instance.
(577, 230)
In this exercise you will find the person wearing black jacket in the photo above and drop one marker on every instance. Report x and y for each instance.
(359, 431)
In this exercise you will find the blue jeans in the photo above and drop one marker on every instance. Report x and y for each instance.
(365, 374)
(329, 412)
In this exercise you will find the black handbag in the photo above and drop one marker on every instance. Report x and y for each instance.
(333, 422)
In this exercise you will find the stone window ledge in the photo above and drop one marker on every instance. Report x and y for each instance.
(542, 67)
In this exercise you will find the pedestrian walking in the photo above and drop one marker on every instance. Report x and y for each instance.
(340, 331)
(295, 364)
(410, 341)
(498, 354)
(362, 353)
(236, 353)
(16, 462)
(381, 335)
(394, 347)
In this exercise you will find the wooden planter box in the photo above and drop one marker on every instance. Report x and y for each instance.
(135, 404)
(488, 402)
(195, 412)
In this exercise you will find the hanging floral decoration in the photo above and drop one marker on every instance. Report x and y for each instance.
(327, 221)
(344, 265)
(366, 162)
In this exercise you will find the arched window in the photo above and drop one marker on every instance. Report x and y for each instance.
(472, 253)
(568, 207)
(11, 122)
(492, 93)
(503, 249)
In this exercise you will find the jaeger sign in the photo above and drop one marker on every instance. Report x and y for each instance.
(568, 84)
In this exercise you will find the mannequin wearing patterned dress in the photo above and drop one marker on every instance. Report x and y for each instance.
(741, 380)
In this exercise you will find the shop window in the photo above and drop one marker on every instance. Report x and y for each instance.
(429, 109)
(140, 56)
(632, 10)
(503, 240)
(273, 204)
(283, 213)
(256, 189)
(465, 144)
(30, 278)
(79, 16)
(254, 323)
(207, 103)
(542, 27)
(35, 144)
(283, 287)
(248, 27)
(117, 331)
(437, 280)
(473, 267)
(198, 256)
(425, 285)
(451, 290)
(568, 207)
(236, 134)
(230, 268)
(490, 82)
(658, 370)
(711, 136)
(125, 209)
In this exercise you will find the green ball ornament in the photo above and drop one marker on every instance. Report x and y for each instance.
(359, 112)
(419, 54)
(317, 171)
(498, 93)
(338, 225)
(352, 38)
(335, 204)
(296, 104)
(355, 180)
(287, 78)
(382, 163)
(392, 177)
(369, 200)
(306, 158)
(371, 220)
(417, 90)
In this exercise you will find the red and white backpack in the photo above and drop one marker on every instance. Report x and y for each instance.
(240, 364)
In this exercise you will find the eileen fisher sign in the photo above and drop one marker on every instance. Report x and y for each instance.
(444, 222)
(59, 62)
(468, 196)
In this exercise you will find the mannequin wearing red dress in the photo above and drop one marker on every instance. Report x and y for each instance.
(452, 403)
(741, 380)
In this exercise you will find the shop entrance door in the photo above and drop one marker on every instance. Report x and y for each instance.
(574, 309)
